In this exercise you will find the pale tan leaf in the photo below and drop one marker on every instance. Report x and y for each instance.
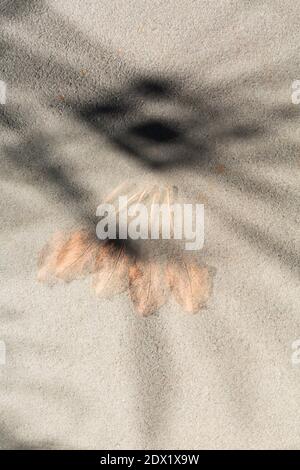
(68, 257)
(133, 198)
(47, 258)
(190, 284)
(77, 257)
(112, 264)
(147, 287)
(121, 190)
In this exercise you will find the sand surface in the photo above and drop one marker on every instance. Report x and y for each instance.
(82, 372)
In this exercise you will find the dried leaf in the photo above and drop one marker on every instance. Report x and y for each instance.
(68, 257)
(47, 259)
(112, 264)
(123, 188)
(147, 287)
(190, 284)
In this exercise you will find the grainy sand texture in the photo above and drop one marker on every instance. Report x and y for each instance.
(190, 93)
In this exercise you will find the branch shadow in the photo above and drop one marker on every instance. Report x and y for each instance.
(155, 122)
